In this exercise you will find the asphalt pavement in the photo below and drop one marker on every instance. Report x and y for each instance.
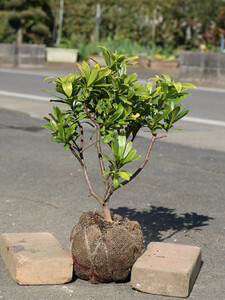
(178, 198)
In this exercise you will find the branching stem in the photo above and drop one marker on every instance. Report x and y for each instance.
(112, 189)
(82, 163)
(89, 145)
(89, 115)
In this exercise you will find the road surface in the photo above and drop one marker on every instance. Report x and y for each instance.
(204, 126)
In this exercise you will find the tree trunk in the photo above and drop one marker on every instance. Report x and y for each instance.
(20, 36)
(106, 213)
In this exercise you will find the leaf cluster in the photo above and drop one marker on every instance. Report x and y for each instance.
(117, 107)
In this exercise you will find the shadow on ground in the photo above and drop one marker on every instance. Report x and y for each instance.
(158, 220)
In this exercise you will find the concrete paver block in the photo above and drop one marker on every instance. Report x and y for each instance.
(36, 258)
(166, 269)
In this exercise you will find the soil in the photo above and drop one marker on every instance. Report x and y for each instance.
(103, 251)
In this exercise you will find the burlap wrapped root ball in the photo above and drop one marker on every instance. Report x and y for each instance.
(102, 251)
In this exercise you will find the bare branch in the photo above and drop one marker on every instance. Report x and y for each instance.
(82, 163)
(89, 145)
(76, 155)
(161, 136)
(89, 115)
(93, 193)
(81, 138)
(101, 163)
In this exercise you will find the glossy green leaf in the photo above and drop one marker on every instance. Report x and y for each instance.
(115, 145)
(122, 144)
(57, 111)
(93, 76)
(54, 125)
(48, 126)
(99, 120)
(105, 157)
(115, 183)
(188, 85)
(47, 119)
(122, 69)
(127, 149)
(131, 156)
(66, 147)
(167, 78)
(106, 139)
(116, 115)
(177, 86)
(181, 115)
(124, 175)
(86, 69)
(106, 57)
(68, 88)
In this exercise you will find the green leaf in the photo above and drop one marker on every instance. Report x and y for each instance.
(127, 149)
(130, 157)
(54, 125)
(68, 88)
(48, 126)
(188, 85)
(57, 111)
(122, 69)
(106, 139)
(177, 86)
(180, 97)
(47, 119)
(59, 101)
(86, 69)
(124, 175)
(115, 146)
(116, 183)
(93, 76)
(67, 146)
(105, 157)
(174, 113)
(115, 116)
(106, 57)
(50, 77)
(122, 144)
(99, 120)
(181, 115)
(130, 78)
(167, 78)
(160, 116)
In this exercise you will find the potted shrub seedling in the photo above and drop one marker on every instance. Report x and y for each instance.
(116, 107)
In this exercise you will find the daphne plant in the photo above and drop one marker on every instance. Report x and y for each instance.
(116, 106)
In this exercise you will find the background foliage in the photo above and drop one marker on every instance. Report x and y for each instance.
(138, 26)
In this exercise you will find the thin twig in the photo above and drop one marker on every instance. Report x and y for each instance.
(107, 193)
(89, 115)
(81, 138)
(93, 193)
(101, 163)
(76, 155)
(89, 145)
(82, 163)
(161, 136)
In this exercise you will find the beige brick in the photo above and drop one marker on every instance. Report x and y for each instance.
(36, 258)
(166, 269)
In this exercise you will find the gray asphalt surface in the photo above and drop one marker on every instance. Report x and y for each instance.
(178, 198)
(203, 103)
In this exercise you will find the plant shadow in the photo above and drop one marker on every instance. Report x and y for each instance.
(160, 219)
